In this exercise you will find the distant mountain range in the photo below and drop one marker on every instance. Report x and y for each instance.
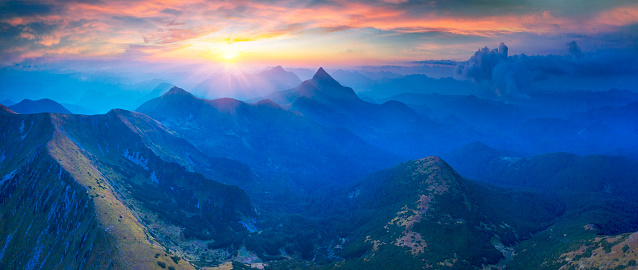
(551, 171)
(101, 100)
(418, 84)
(608, 130)
(293, 150)
(245, 86)
(596, 189)
(327, 102)
(97, 91)
(7, 102)
(581, 123)
(28, 106)
(317, 177)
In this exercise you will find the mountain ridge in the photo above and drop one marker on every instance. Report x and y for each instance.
(27, 106)
(245, 85)
(101, 173)
(268, 137)
(330, 104)
(416, 212)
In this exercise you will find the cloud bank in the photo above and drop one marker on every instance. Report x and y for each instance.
(514, 76)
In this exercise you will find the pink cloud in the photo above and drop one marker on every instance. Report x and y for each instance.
(619, 16)
(96, 25)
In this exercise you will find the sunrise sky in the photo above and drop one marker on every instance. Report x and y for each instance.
(307, 32)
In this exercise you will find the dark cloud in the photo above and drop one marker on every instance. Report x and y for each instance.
(12, 9)
(10, 39)
(320, 3)
(24, 37)
(482, 8)
(468, 7)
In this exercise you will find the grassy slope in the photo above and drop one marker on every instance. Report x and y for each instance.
(109, 194)
(566, 246)
(608, 252)
(136, 247)
(163, 197)
(422, 214)
(48, 219)
(597, 191)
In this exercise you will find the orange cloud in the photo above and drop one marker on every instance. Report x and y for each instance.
(619, 16)
(200, 28)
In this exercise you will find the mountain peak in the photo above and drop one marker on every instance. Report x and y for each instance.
(45, 105)
(278, 68)
(7, 102)
(322, 75)
(328, 85)
(176, 91)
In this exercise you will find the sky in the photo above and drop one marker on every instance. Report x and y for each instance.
(307, 33)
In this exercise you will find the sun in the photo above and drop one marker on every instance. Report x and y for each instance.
(229, 54)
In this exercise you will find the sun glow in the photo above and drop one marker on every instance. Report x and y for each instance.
(229, 53)
(230, 56)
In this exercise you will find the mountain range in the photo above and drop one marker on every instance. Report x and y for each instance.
(327, 102)
(316, 177)
(245, 85)
(582, 123)
(294, 152)
(7, 102)
(422, 213)
(126, 189)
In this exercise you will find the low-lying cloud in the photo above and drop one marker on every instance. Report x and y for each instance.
(502, 74)
(513, 76)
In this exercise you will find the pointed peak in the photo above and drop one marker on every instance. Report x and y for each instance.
(323, 79)
(278, 68)
(176, 91)
(321, 74)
